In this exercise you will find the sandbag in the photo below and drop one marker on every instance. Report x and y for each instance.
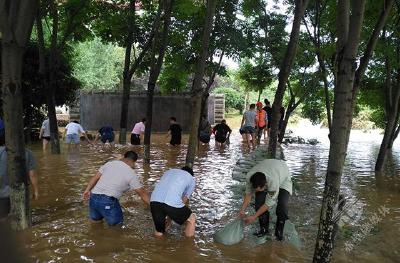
(231, 234)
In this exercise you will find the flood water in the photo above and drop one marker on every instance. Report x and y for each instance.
(62, 233)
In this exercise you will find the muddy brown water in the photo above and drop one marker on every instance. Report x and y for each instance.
(62, 233)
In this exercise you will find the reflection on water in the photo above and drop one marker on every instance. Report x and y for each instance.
(62, 233)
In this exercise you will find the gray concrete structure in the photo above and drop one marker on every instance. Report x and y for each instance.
(104, 108)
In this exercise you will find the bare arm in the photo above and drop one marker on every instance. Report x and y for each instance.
(91, 184)
(185, 200)
(241, 125)
(245, 204)
(144, 195)
(34, 182)
(40, 133)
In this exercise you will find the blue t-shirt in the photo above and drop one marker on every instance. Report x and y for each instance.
(172, 187)
(106, 132)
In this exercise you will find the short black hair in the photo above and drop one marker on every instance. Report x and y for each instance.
(188, 169)
(258, 179)
(131, 155)
(173, 118)
(76, 122)
(223, 121)
(144, 120)
(252, 106)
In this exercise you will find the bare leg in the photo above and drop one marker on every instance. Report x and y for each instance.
(253, 136)
(190, 226)
(248, 139)
(45, 142)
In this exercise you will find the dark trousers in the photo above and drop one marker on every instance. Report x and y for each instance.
(281, 212)
(4, 207)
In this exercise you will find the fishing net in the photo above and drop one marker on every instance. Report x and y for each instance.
(231, 234)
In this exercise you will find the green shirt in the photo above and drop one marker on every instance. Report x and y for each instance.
(277, 175)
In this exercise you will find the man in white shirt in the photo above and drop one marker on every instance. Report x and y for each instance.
(107, 186)
(72, 132)
(45, 133)
(270, 181)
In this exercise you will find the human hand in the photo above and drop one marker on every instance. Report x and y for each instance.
(250, 219)
(86, 195)
(241, 214)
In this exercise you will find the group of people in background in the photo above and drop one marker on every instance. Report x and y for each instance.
(73, 131)
(256, 122)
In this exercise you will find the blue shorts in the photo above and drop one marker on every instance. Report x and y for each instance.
(72, 138)
(249, 129)
(107, 207)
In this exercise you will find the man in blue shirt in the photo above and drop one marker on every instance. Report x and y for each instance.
(170, 198)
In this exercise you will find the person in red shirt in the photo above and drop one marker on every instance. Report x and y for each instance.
(261, 119)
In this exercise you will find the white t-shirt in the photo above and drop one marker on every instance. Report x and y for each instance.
(46, 128)
(116, 178)
(278, 176)
(74, 128)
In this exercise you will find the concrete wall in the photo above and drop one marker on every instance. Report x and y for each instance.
(98, 109)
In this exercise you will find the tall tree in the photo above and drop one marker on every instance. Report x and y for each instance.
(68, 21)
(134, 35)
(349, 23)
(160, 43)
(197, 88)
(284, 73)
(392, 92)
(16, 22)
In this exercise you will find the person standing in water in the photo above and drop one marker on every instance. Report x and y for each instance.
(72, 133)
(137, 132)
(270, 182)
(261, 120)
(268, 110)
(248, 125)
(204, 130)
(175, 132)
(222, 132)
(170, 198)
(5, 190)
(107, 186)
(44, 133)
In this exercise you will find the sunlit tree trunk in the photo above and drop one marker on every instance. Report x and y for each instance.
(349, 23)
(15, 35)
(197, 89)
(284, 72)
(154, 73)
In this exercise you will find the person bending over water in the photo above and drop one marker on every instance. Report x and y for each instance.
(222, 132)
(107, 186)
(270, 182)
(175, 131)
(106, 134)
(169, 201)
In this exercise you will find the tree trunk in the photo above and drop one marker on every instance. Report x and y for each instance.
(389, 132)
(126, 83)
(348, 30)
(14, 39)
(284, 72)
(154, 73)
(197, 89)
(50, 85)
(392, 111)
(324, 78)
(284, 124)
